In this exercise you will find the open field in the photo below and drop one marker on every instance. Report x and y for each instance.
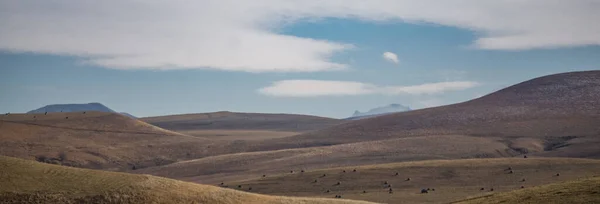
(23, 181)
(229, 167)
(452, 179)
(578, 191)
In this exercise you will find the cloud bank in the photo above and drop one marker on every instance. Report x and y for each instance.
(315, 88)
(243, 35)
(390, 56)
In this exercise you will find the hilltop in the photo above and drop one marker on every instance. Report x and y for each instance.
(241, 126)
(23, 181)
(555, 115)
(98, 140)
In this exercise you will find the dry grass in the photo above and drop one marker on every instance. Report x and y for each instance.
(451, 179)
(579, 191)
(242, 121)
(252, 164)
(231, 135)
(23, 181)
(98, 140)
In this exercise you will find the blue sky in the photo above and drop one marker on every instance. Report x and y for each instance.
(327, 63)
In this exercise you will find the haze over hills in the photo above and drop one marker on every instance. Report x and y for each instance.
(76, 107)
(392, 108)
(554, 115)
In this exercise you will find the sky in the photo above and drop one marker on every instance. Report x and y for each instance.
(326, 58)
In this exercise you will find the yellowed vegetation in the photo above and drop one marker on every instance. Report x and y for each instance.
(451, 179)
(97, 140)
(237, 166)
(23, 181)
(579, 191)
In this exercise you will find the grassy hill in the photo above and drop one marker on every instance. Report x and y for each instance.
(98, 140)
(579, 191)
(555, 115)
(253, 164)
(23, 181)
(451, 179)
(241, 126)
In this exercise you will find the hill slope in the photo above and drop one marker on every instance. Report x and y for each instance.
(578, 191)
(450, 179)
(24, 181)
(559, 112)
(241, 126)
(228, 167)
(97, 140)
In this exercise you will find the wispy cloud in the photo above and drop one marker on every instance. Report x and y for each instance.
(390, 56)
(243, 35)
(314, 88)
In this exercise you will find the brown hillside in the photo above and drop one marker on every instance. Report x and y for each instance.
(24, 181)
(97, 140)
(451, 180)
(229, 167)
(559, 112)
(575, 192)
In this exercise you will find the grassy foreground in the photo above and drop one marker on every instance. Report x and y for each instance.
(578, 191)
(24, 181)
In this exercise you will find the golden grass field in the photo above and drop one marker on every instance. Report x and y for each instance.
(452, 179)
(23, 181)
(580, 191)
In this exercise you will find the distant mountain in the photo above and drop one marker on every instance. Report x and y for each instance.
(73, 108)
(392, 108)
(77, 108)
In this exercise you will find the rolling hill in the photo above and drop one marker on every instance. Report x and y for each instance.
(227, 167)
(98, 140)
(23, 181)
(555, 115)
(241, 126)
(579, 191)
(447, 180)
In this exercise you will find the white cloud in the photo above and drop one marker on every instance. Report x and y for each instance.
(313, 88)
(390, 56)
(243, 35)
